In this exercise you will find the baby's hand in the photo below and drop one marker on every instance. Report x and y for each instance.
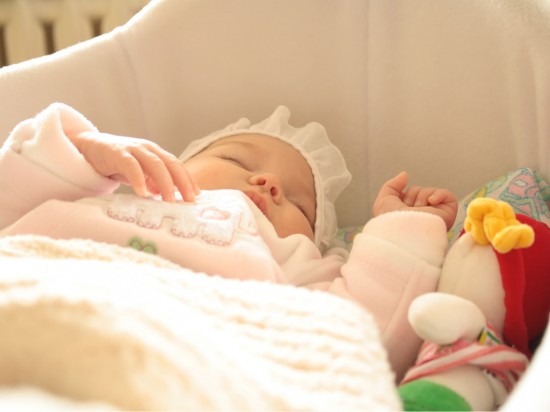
(143, 164)
(393, 196)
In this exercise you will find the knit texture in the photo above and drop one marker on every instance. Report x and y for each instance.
(95, 322)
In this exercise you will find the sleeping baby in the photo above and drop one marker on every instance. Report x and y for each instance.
(250, 201)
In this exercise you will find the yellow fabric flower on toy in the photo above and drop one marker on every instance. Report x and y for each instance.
(494, 221)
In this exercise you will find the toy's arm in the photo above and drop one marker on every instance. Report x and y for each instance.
(443, 318)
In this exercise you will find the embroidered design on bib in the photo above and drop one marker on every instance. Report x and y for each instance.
(216, 217)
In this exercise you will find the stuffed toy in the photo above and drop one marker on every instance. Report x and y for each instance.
(490, 308)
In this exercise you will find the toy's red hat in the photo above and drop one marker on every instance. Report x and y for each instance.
(522, 247)
(526, 281)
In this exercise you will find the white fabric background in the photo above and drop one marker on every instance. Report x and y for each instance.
(456, 93)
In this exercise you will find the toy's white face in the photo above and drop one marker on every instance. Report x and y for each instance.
(273, 174)
(472, 271)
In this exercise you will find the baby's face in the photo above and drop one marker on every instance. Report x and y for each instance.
(273, 174)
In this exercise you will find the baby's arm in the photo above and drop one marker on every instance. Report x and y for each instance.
(59, 154)
(395, 258)
(393, 196)
(143, 164)
(39, 163)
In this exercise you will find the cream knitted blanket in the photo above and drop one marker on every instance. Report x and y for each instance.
(89, 322)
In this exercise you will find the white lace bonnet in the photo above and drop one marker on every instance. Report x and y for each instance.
(329, 169)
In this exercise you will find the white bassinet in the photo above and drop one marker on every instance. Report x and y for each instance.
(455, 92)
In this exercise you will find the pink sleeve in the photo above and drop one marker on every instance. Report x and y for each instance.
(397, 257)
(38, 162)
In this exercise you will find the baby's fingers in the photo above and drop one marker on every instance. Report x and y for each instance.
(185, 183)
(436, 198)
(171, 174)
(130, 172)
(394, 186)
(441, 196)
(182, 179)
(389, 196)
(156, 170)
(413, 197)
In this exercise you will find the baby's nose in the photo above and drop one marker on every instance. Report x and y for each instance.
(271, 183)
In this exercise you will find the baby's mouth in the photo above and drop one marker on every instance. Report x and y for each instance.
(258, 200)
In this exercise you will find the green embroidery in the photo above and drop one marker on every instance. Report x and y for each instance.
(137, 243)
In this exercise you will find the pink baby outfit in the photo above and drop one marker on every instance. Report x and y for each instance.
(48, 188)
